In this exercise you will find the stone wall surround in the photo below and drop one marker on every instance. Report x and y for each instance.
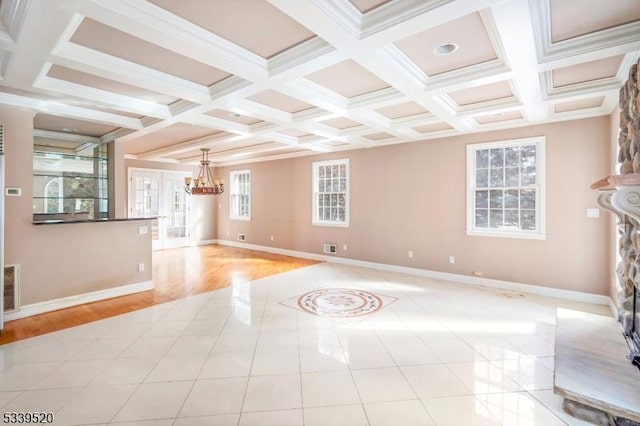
(628, 270)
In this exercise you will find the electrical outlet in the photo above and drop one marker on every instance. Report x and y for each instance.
(477, 274)
(593, 213)
(143, 230)
(140, 267)
(344, 247)
(272, 238)
(452, 259)
(410, 254)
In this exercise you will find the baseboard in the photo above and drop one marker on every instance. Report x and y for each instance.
(576, 296)
(203, 243)
(613, 308)
(67, 302)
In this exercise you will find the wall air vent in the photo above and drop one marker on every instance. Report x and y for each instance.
(1, 140)
(11, 288)
(242, 237)
(330, 248)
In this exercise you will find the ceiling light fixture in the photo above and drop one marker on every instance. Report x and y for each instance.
(69, 130)
(204, 184)
(234, 114)
(445, 49)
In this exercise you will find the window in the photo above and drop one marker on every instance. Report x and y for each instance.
(70, 185)
(505, 188)
(240, 195)
(331, 193)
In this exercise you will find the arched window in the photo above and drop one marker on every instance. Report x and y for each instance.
(54, 192)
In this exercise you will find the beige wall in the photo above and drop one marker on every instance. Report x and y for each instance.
(203, 208)
(61, 260)
(614, 127)
(413, 196)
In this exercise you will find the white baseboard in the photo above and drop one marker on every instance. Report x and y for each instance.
(79, 299)
(203, 243)
(577, 296)
(613, 308)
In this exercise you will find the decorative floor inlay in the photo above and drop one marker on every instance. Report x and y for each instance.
(340, 302)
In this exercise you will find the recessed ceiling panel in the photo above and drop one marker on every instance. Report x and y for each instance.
(279, 101)
(578, 105)
(295, 132)
(176, 133)
(436, 127)
(488, 92)
(365, 6)
(587, 71)
(108, 40)
(494, 118)
(378, 136)
(468, 33)
(91, 80)
(348, 79)
(232, 116)
(252, 24)
(570, 19)
(69, 125)
(341, 123)
(401, 110)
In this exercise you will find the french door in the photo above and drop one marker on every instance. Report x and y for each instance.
(161, 194)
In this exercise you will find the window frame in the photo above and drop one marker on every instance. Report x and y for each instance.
(540, 211)
(315, 175)
(233, 191)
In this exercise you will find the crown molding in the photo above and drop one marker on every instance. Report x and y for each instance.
(343, 13)
(159, 26)
(13, 13)
(392, 13)
(607, 42)
(83, 59)
(63, 136)
(109, 99)
(298, 55)
(68, 111)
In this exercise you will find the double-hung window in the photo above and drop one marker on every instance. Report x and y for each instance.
(506, 188)
(331, 193)
(240, 195)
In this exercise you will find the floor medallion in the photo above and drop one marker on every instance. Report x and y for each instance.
(340, 302)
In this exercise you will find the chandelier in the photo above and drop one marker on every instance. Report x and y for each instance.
(204, 184)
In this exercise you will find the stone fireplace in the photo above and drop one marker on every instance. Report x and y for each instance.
(628, 269)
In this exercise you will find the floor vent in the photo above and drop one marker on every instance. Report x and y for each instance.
(11, 288)
(330, 248)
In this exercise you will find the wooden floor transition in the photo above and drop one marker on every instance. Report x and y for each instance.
(177, 273)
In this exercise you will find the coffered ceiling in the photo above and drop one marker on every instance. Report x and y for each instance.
(262, 79)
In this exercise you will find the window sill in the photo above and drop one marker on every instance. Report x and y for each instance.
(331, 224)
(243, 219)
(513, 235)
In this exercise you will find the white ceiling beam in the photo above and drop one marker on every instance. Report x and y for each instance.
(514, 24)
(103, 97)
(78, 113)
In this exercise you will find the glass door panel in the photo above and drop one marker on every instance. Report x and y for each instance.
(161, 195)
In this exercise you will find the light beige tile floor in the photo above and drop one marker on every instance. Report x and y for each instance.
(438, 353)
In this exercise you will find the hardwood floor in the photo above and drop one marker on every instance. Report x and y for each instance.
(177, 273)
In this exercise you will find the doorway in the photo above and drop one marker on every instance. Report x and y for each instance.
(161, 194)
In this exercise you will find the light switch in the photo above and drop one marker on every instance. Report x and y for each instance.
(142, 230)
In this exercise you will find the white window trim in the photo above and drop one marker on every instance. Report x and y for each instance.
(540, 233)
(232, 174)
(315, 166)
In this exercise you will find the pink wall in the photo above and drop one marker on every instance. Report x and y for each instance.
(413, 196)
(203, 208)
(61, 260)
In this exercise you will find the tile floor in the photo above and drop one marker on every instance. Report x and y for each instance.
(437, 353)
